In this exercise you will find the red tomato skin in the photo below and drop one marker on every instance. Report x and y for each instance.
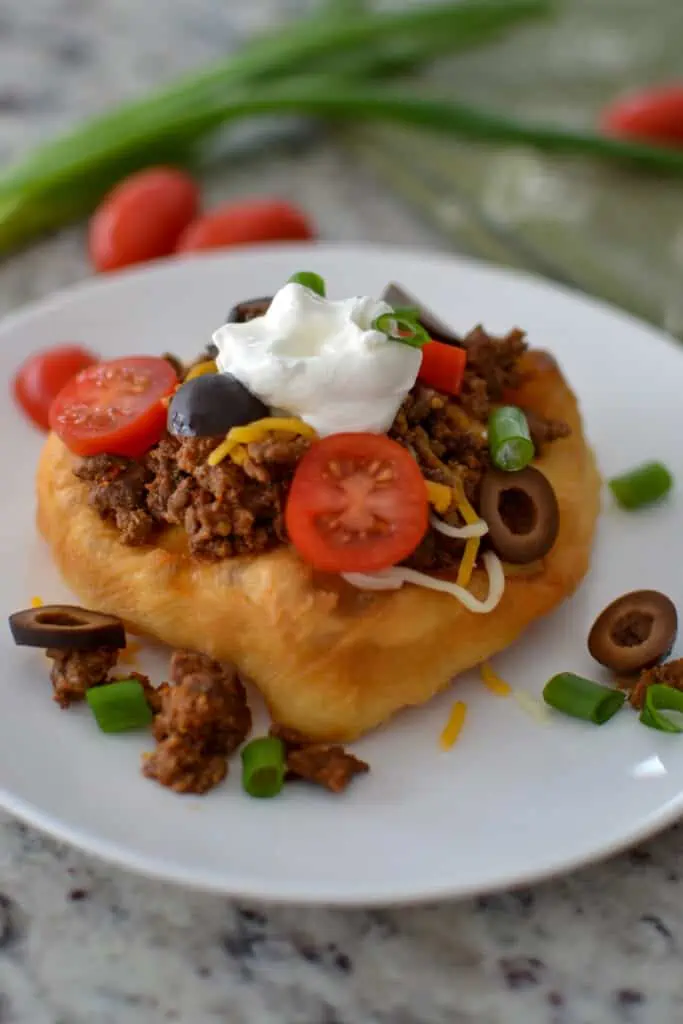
(654, 115)
(134, 436)
(40, 379)
(443, 366)
(246, 223)
(309, 497)
(142, 218)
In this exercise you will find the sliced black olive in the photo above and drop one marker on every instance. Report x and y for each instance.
(66, 627)
(521, 512)
(399, 298)
(211, 405)
(248, 310)
(634, 632)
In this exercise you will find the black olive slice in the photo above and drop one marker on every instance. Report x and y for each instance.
(212, 404)
(399, 298)
(66, 627)
(636, 631)
(522, 514)
(248, 310)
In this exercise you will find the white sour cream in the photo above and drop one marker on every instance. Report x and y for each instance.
(322, 361)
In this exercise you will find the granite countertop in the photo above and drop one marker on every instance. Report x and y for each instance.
(84, 943)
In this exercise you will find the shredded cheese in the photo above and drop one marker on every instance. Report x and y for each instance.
(36, 602)
(464, 507)
(394, 578)
(533, 707)
(440, 496)
(200, 369)
(454, 725)
(256, 431)
(469, 560)
(477, 529)
(493, 681)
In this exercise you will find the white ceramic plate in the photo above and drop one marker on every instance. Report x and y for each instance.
(514, 800)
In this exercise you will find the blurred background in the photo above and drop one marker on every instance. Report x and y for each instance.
(603, 226)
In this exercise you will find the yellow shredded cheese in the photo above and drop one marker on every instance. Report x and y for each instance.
(440, 496)
(200, 369)
(469, 560)
(493, 681)
(256, 431)
(36, 602)
(454, 725)
(464, 507)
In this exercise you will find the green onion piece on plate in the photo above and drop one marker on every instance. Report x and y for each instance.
(510, 441)
(641, 486)
(119, 706)
(263, 767)
(658, 698)
(582, 698)
(310, 280)
(402, 326)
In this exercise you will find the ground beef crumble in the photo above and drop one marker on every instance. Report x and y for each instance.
(204, 717)
(73, 673)
(231, 509)
(327, 765)
(668, 674)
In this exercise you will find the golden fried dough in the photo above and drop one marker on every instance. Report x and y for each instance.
(330, 661)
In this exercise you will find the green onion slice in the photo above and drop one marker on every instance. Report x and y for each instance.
(582, 698)
(658, 698)
(510, 441)
(263, 767)
(641, 486)
(310, 280)
(119, 706)
(402, 326)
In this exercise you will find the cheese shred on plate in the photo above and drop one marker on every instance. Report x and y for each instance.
(454, 725)
(36, 602)
(493, 682)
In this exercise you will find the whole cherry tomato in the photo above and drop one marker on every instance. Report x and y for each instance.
(358, 503)
(142, 218)
(40, 379)
(259, 220)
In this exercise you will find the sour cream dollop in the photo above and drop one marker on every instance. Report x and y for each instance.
(321, 360)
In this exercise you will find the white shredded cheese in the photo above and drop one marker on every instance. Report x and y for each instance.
(460, 532)
(394, 578)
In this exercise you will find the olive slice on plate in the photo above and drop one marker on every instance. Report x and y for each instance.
(399, 298)
(248, 310)
(634, 632)
(66, 627)
(212, 404)
(521, 512)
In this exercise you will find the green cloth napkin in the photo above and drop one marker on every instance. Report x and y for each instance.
(602, 228)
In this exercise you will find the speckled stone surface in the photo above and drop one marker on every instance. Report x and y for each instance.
(83, 943)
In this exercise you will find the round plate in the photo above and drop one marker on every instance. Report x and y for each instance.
(516, 798)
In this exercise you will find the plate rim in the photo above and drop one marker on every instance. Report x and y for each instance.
(205, 880)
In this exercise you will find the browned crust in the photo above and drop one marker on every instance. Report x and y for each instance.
(330, 661)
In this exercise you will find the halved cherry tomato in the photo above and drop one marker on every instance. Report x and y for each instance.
(40, 379)
(259, 220)
(655, 115)
(114, 407)
(443, 366)
(358, 503)
(142, 218)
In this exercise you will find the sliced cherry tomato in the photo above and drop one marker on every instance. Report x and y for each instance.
(259, 220)
(358, 503)
(142, 218)
(114, 407)
(443, 366)
(655, 115)
(40, 379)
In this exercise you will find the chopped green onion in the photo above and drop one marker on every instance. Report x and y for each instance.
(658, 698)
(308, 279)
(119, 706)
(582, 698)
(641, 486)
(400, 327)
(263, 767)
(510, 441)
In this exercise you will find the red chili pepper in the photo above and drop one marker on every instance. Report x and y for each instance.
(654, 115)
(443, 366)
